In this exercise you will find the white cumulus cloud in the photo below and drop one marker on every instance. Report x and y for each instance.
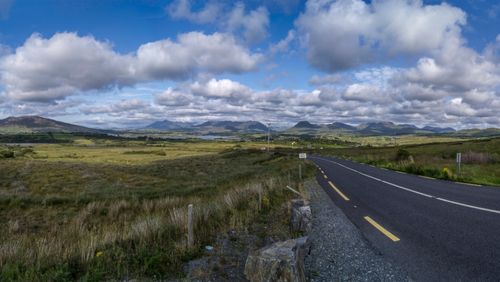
(253, 24)
(347, 33)
(47, 69)
(182, 9)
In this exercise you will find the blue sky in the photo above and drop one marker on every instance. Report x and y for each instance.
(128, 63)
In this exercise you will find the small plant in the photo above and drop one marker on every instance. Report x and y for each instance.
(265, 201)
(447, 174)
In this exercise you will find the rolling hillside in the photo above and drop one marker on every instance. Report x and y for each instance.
(28, 124)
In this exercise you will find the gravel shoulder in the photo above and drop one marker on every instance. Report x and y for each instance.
(339, 251)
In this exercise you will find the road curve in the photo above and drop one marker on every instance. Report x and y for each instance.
(436, 230)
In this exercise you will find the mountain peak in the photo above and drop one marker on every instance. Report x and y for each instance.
(235, 126)
(305, 124)
(340, 125)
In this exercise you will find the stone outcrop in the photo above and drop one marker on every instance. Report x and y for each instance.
(281, 261)
(301, 216)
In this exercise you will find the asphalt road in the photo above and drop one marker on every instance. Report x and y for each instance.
(436, 230)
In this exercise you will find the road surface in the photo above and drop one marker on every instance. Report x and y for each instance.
(436, 230)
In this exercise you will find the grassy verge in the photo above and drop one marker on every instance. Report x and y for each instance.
(480, 159)
(93, 220)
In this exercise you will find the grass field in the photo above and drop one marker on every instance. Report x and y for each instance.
(480, 159)
(107, 209)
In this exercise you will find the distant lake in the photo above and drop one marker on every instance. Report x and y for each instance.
(26, 144)
(215, 137)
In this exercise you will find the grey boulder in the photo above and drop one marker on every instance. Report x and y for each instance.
(281, 261)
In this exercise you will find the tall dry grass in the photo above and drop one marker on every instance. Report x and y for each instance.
(103, 230)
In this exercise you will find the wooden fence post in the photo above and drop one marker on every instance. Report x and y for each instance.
(260, 199)
(190, 226)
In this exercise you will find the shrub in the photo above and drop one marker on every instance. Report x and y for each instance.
(476, 158)
(402, 155)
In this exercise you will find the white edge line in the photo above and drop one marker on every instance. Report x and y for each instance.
(413, 191)
(468, 206)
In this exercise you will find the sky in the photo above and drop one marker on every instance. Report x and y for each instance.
(125, 64)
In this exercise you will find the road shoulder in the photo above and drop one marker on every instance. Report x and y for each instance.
(339, 251)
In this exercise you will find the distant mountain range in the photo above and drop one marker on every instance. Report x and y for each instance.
(169, 125)
(372, 128)
(209, 127)
(26, 124)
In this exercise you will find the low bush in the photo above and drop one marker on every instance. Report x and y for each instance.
(7, 154)
(402, 155)
(476, 158)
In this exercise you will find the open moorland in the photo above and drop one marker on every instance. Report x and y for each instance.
(101, 209)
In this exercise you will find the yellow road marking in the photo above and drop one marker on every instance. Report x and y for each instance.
(381, 229)
(338, 191)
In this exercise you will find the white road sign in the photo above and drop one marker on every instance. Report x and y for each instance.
(302, 156)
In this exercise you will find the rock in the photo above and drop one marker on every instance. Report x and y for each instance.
(297, 203)
(301, 220)
(199, 269)
(281, 261)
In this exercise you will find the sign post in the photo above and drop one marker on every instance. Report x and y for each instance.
(459, 162)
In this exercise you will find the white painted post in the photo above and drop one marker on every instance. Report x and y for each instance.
(190, 226)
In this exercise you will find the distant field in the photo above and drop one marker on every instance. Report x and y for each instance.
(131, 152)
(101, 209)
(380, 141)
(481, 159)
